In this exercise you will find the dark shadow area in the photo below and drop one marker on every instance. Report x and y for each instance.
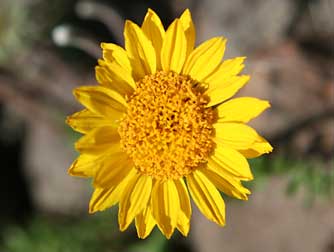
(16, 202)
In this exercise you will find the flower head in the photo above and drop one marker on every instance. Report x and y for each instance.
(161, 127)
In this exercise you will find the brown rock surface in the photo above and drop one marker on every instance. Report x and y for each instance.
(269, 221)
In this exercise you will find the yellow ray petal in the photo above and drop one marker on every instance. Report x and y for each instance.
(226, 90)
(205, 58)
(105, 78)
(99, 140)
(134, 199)
(115, 70)
(189, 30)
(242, 138)
(183, 221)
(101, 100)
(140, 50)
(104, 198)
(261, 146)
(85, 165)
(241, 109)
(154, 31)
(232, 161)
(174, 48)
(85, 121)
(165, 206)
(144, 223)
(224, 172)
(206, 197)
(226, 70)
(226, 183)
(114, 169)
(183, 224)
(112, 75)
(235, 135)
(112, 52)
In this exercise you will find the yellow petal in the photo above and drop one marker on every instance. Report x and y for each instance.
(104, 198)
(226, 70)
(165, 206)
(154, 31)
(189, 30)
(140, 50)
(134, 199)
(241, 109)
(101, 100)
(235, 135)
(174, 48)
(183, 224)
(242, 138)
(99, 140)
(206, 197)
(226, 183)
(112, 52)
(226, 90)
(113, 169)
(183, 221)
(85, 165)
(105, 78)
(115, 70)
(232, 161)
(261, 146)
(85, 121)
(205, 59)
(112, 75)
(144, 223)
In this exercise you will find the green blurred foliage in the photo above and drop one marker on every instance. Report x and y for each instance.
(314, 176)
(46, 235)
(13, 28)
(91, 234)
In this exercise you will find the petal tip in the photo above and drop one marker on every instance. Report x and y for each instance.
(91, 211)
(150, 11)
(186, 13)
(92, 207)
(103, 45)
(70, 171)
(76, 92)
(184, 230)
(270, 148)
(68, 120)
(168, 234)
(267, 104)
(128, 23)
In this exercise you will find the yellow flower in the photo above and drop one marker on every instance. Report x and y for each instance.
(160, 128)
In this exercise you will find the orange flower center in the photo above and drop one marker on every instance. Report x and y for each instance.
(167, 130)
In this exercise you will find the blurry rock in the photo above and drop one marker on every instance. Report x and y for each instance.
(248, 25)
(303, 140)
(313, 27)
(297, 88)
(43, 97)
(49, 149)
(48, 155)
(315, 17)
(269, 221)
(327, 137)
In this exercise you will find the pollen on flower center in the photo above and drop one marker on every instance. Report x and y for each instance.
(167, 130)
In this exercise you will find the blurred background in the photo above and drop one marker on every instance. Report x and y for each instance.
(49, 47)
